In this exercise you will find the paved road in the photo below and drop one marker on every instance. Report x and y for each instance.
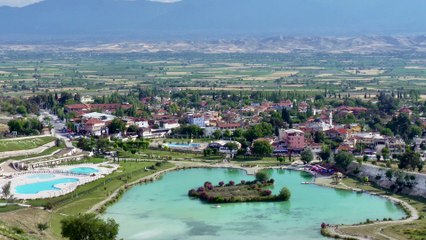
(58, 125)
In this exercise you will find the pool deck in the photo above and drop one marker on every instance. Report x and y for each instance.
(59, 172)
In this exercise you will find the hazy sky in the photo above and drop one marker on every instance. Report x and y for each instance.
(22, 3)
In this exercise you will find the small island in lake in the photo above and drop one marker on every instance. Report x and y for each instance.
(245, 191)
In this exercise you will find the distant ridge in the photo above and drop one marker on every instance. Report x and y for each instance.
(209, 19)
(333, 45)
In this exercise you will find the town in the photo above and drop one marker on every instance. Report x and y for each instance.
(377, 138)
(212, 120)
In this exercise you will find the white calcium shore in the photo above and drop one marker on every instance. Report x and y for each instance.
(23, 178)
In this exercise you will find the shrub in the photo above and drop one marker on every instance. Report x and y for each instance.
(285, 194)
(356, 171)
(18, 230)
(42, 226)
(266, 192)
(262, 176)
(48, 206)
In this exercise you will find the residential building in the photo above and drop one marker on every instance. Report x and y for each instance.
(196, 120)
(396, 145)
(294, 138)
(86, 99)
(94, 126)
(303, 107)
(169, 124)
(287, 104)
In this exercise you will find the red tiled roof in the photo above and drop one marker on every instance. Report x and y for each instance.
(93, 121)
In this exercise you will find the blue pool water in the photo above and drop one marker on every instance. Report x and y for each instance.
(84, 170)
(41, 176)
(34, 188)
(182, 145)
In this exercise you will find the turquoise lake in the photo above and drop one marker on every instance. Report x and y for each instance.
(162, 209)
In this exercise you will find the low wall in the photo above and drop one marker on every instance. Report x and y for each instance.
(27, 152)
(419, 189)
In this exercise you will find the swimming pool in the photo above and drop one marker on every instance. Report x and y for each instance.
(182, 145)
(41, 176)
(34, 188)
(84, 170)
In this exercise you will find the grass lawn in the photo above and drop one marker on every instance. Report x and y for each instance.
(415, 230)
(88, 195)
(200, 156)
(155, 153)
(44, 153)
(23, 144)
(9, 208)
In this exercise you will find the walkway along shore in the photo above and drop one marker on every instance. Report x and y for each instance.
(332, 230)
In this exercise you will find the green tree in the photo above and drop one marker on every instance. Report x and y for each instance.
(325, 153)
(190, 130)
(401, 125)
(42, 226)
(6, 191)
(387, 103)
(231, 146)
(343, 159)
(262, 176)
(385, 153)
(227, 134)
(285, 115)
(389, 174)
(258, 131)
(21, 110)
(89, 227)
(116, 126)
(262, 148)
(285, 194)
(410, 160)
(307, 155)
(217, 134)
(238, 133)
(319, 137)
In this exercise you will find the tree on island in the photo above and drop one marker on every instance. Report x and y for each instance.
(285, 194)
(307, 155)
(89, 227)
(262, 148)
(262, 176)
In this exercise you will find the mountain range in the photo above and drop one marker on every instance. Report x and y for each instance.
(124, 20)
